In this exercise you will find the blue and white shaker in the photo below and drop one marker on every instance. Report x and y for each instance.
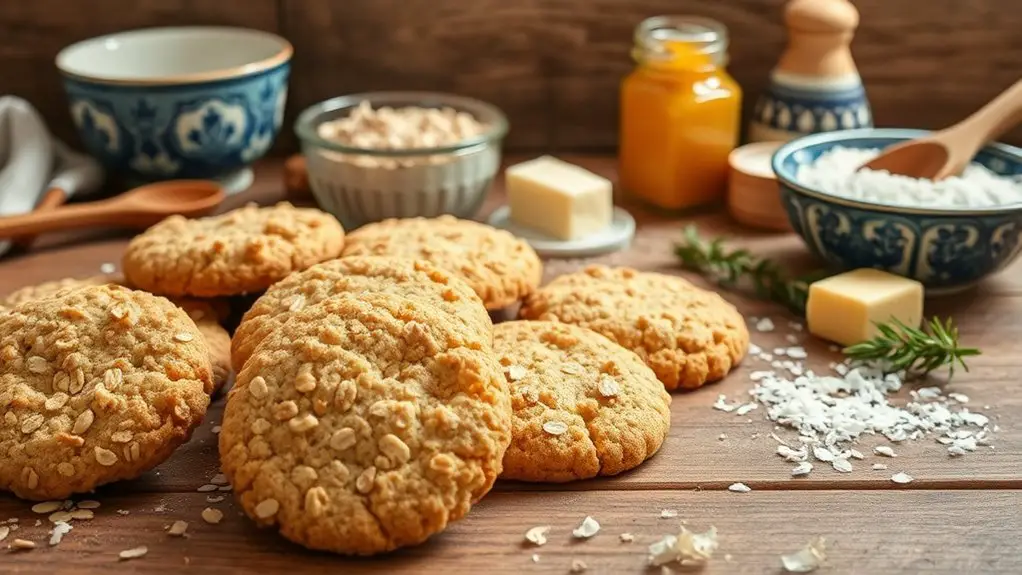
(815, 86)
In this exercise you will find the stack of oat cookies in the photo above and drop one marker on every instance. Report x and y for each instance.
(374, 400)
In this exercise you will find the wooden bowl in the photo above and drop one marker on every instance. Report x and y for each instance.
(754, 197)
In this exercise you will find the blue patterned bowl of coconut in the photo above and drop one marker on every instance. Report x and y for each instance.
(948, 234)
(178, 102)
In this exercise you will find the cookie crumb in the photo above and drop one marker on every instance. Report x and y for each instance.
(626, 537)
(22, 545)
(212, 516)
(587, 528)
(807, 559)
(133, 553)
(578, 566)
(537, 535)
(178, 529)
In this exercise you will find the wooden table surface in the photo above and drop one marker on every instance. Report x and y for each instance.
(960, 515)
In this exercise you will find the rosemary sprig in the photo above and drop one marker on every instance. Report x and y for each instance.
(729, 267)
(913, 350)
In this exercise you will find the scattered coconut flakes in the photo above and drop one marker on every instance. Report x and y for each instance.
(587, 528)
(739, 488)
(624, 538)
(212, 516)
(792, 455)
(764, 325)
(58, 532)
(537, 535)
(822, 453)
(133, 553)
(842, 465)
(884, 450)
(88, 504)
(668, 514)
(803, 468)
(22, 544)
(578, 566)
(807, 559)
(722, 405)
(178, 528)
(687, 548)
(879, 467)
(901, 478)
(4, 532)
(744, 409)
(47, 507)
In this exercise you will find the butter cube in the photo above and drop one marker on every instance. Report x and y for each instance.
(846, 308)
(561, 200)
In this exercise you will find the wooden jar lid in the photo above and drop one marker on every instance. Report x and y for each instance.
(754, 197)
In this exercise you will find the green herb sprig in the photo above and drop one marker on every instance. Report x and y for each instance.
(729, 267)
(897, 346)
(917, 352)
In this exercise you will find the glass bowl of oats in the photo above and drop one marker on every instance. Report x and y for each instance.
(382, 155)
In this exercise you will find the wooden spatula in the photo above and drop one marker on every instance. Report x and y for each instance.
(947, 152)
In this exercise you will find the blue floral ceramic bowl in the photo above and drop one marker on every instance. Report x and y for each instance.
(945, 249)
(185, 102)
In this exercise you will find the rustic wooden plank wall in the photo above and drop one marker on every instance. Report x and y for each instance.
(552, 65)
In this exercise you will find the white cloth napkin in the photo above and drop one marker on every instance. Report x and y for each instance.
(32, 162)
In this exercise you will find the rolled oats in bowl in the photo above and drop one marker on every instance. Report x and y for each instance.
(401, 154)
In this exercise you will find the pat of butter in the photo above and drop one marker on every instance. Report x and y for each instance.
(559, 199)
(846, 308)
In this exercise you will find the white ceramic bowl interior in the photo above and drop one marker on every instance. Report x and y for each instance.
(173, 55)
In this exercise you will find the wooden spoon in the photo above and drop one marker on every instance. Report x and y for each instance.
(949, 151)
(138, 208)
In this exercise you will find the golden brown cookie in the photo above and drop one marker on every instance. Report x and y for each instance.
(97, 384)
(207, 315)
(582, 405)
(242, 251)
(417, 280)
(689, 336)
(364, 425)
(500, 267)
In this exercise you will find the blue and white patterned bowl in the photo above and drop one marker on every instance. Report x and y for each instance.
(184, 102)
(945, 249)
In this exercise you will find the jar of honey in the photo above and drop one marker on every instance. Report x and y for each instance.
(680, 113)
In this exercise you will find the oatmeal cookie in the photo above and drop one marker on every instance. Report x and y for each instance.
(500, 267)
(689, 336)
(97, 384)
(581, 405)
(242, 251)
(416, 280)
(364, 425)
(207, 315)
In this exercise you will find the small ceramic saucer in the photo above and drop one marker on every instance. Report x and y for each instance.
(618, 235)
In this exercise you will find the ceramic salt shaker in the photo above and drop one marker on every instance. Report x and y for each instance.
(815, 86)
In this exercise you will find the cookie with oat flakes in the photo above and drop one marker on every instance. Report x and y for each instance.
(364, 424)
(97, 384)
(242, 251)
(687, 335)
(582, 406)
(416, 280)
(500, 267)
(207, 315)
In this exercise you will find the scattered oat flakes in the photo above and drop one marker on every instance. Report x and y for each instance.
(84, 514)
(879, 467)
(803, 468)
(822, 453)
(4, 532)
(47, 507)
(22, 544)
(535, 557)
(133, 553)
(668, 514)
(555, 427)
(537, 535)
(178, 528)
(88, 504)
(214, 498)
(901, 478)
(884, 450)
(739, 488)
(578, 566)
(225, 488)
(219, 479)
(587, 528)
(686, 548)
(59, 517)
(856, 454)
(207, 488)
(626, 537)
(58, 532)
(212, 516)
(842, 465)
(807, 559)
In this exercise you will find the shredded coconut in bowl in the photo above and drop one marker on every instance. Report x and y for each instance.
(835, 172)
